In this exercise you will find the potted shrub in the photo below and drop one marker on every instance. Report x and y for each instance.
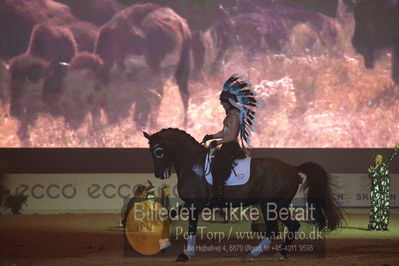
(15, 202)
(3, 189)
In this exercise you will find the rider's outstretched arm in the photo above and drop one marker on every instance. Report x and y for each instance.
(207, 137)
(218, 135)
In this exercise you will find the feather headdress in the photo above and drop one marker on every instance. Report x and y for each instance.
(240, 95)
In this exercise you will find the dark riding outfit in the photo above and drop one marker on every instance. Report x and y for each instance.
(380, 194)
(237, 93)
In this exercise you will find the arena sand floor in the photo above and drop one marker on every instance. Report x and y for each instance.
(93, 239)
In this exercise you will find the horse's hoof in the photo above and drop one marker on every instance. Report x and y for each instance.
(165, 247)
(248, 258)
(165, 250)
(164, 243)
(279, 256)
(182, 257)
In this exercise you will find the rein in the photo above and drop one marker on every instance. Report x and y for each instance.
(208, 156)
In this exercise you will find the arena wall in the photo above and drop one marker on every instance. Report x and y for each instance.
(108, 193)
(101, 180)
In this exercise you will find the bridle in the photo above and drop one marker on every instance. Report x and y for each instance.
(159, 153)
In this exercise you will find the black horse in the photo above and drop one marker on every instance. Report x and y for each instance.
(271, 181)
(154, 32)
(376, 29)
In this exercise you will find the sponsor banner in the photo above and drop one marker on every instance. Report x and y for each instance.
(353, 190)
(60, 193)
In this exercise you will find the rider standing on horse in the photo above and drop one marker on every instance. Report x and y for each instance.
(237, 100)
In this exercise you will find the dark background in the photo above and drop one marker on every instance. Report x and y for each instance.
(139, 160)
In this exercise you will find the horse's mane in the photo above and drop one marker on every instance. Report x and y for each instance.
(190, 138)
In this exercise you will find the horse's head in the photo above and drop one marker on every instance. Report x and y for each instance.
(159, 151)
(171, 146)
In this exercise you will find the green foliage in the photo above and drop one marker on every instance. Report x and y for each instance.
(15, 202)
(3, 172)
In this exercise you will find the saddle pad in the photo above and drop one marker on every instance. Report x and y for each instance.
(239, 175)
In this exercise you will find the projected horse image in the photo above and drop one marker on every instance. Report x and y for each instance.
(271, 181)
(376, 24)
(154, 32)
(157, 64)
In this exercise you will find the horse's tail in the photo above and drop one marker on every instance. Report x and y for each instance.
(328, 214)
(182, 72)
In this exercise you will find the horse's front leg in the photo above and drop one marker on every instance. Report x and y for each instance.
(271, 231)
(192, 230)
